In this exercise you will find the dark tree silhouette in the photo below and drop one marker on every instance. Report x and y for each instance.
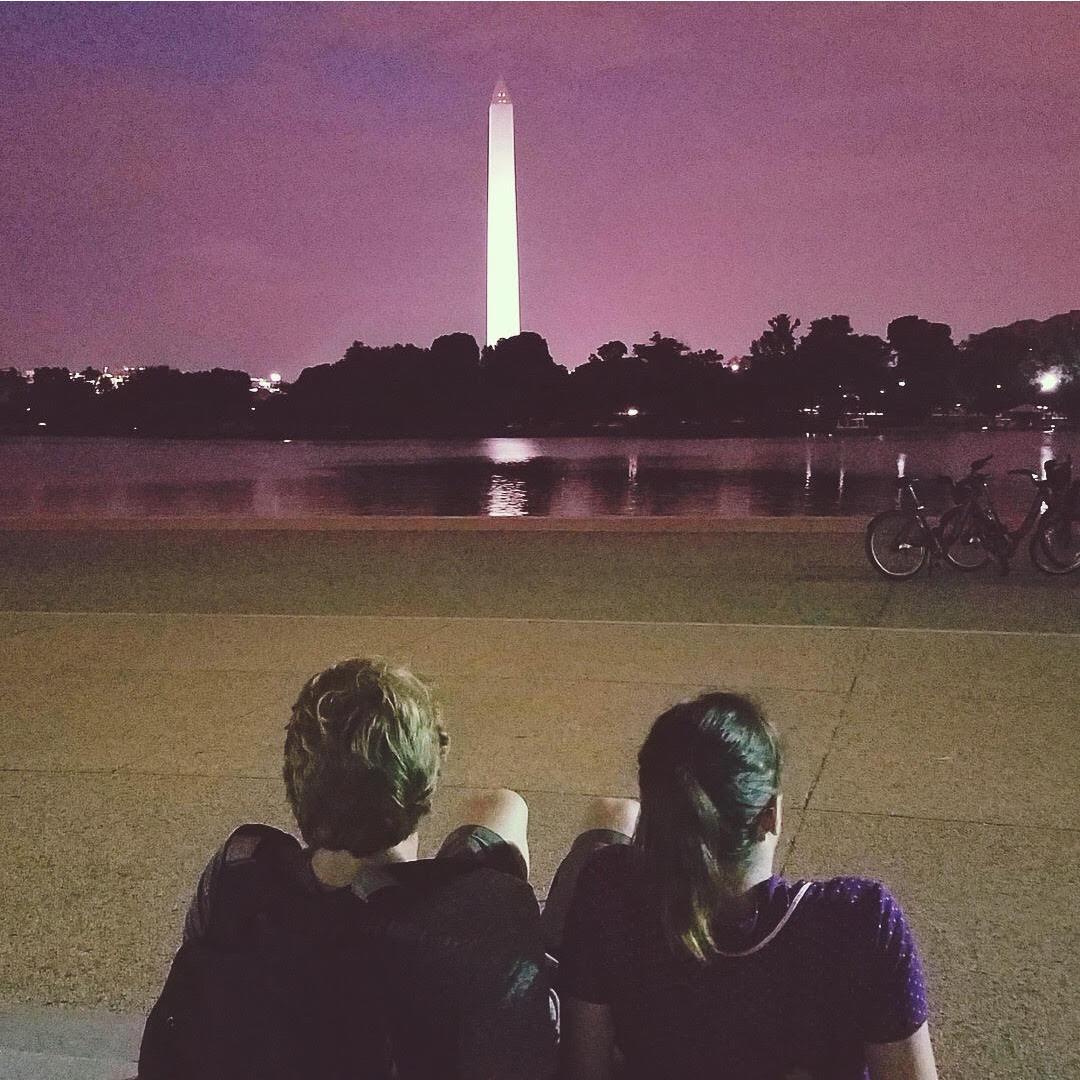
(603, 389)
(1014, 356)
(770, 373)
(927, 364)
(64, 404)
(661, 386)
(659, 349)
(14, 400)
(162, 401)
(522, 384)
(611, 350)
(454, 372)
(837, 369)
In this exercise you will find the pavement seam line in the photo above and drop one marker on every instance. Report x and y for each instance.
(554, 621)
(844, 710)
(247, 777)
(887, 815)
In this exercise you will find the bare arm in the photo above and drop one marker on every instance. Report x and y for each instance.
(588, 1040)
(909, 1059)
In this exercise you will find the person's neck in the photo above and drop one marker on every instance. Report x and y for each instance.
(743, 883)
(340, 868)
(759, 869)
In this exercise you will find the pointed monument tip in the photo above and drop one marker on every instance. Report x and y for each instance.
(501, 96)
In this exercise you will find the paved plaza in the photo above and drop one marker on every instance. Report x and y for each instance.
(147, 674)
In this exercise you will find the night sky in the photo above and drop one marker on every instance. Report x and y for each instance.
(256, 186)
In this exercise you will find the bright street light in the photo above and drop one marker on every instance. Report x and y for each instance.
(1049, 381)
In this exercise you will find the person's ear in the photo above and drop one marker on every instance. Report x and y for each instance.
(769, 819)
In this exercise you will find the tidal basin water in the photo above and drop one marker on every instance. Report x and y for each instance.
(820, 476)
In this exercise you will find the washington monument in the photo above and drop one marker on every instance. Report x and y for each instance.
(503, 314)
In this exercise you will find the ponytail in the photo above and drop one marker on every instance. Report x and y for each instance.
(706, 771)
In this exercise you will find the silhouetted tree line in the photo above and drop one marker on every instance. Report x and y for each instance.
(789, 382)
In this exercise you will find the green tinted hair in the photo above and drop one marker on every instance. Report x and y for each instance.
(706, 770)
(363, 749)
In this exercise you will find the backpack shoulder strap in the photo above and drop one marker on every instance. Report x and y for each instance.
(247, 879)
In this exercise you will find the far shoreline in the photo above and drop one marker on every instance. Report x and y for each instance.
(977, 425)
(426, 523)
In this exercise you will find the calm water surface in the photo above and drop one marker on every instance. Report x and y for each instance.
(853, 475)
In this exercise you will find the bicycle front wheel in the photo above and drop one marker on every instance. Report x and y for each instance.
(1055, 547)
(962, 540)
(896, 544)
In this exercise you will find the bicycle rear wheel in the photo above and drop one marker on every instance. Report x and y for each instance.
(896, 544)
(1055, 547)
(962, 540)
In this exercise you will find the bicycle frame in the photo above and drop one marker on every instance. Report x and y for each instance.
(929, 535)
(1043, 503)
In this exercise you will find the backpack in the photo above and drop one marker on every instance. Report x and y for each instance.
(283, 986)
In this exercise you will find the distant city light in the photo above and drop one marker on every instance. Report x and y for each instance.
(41, 423)
(734, 365)
(997, 386)
(631, 411)
(1049, 381)
(275, 377)
(902, 383)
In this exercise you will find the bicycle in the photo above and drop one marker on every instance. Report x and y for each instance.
(899, 542)
(969, 534)
(1054, 547)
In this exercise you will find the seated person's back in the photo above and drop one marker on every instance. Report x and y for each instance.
(446, 951)
(685, 953)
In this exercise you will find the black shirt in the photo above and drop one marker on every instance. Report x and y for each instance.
(456, 953)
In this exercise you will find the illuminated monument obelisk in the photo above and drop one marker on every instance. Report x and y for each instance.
(503, 314)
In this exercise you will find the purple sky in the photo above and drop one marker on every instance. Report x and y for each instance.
(257, 185)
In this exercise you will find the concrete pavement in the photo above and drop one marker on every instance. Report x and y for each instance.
(146, 676)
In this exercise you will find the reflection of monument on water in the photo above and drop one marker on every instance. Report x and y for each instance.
(507, 495)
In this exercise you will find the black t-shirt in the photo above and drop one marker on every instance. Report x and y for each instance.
(456, 952)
